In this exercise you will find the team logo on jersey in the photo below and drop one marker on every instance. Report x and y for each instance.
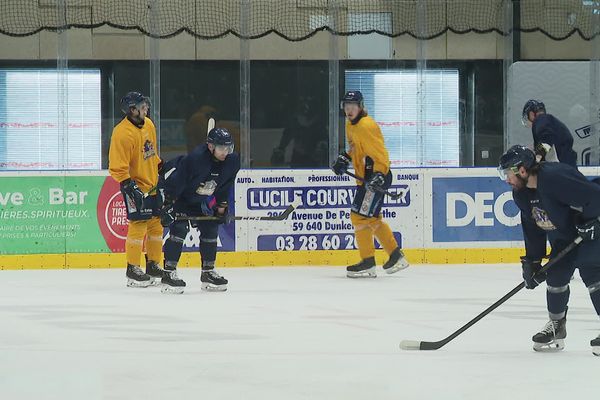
(541, 219)
(148, 149)
(206, 188)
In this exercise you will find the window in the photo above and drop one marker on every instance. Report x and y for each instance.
(31, 135)
(391, 99)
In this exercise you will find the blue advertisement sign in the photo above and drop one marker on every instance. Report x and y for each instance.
(474, 209)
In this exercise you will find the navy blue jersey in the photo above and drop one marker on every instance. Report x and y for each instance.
(563, 198)
(198, 176)
(546, 128)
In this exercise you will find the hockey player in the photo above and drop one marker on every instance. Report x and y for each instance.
(198, 184)
(370, 159)
(134, 163)
(563, 204)
(552, 140)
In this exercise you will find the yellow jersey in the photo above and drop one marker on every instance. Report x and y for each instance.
(133, 154)
(365, 140)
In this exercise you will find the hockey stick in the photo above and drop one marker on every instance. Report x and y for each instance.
(422, 345)
(393, 196)
(211, 125)
(281, 217)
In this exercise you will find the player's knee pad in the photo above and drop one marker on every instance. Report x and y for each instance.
(594, 287)
(559, 275)
(178, 231)
(136, 230)
(590, 275)
(557, 289)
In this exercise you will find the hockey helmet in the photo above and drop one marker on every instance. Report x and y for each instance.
(531, 106)
(221, 138)
(353, 96)
(133, 99)
(514, 158)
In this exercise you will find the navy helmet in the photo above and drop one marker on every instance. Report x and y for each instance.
(133, 99)
(221, 137)
(353, 96)
(514, 158)
(531, 106)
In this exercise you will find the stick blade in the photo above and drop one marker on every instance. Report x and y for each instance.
(410, 345)
(211, 125)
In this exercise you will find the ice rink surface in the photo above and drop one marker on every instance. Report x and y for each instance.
(287, 333)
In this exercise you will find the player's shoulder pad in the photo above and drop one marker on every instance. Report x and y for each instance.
(149, 122)
(556, 172)
(369, 122)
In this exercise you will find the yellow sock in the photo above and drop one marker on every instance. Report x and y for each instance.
(154, 240)
(135, 241)
(363, 235)
(384, 235)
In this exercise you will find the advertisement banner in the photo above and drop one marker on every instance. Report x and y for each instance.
(50, 214)
(474, 209)
(322, 221)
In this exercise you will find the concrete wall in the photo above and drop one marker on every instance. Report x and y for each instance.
(110, 43)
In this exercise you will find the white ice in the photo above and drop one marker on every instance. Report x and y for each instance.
(287, 333)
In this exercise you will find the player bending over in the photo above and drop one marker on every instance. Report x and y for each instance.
(198, 185)
(564, 204)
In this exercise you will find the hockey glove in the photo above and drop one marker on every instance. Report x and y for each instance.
(341, 164)
(530, 272)
(167, 214)
(131, 189)
(208, 206)
(167, 211)
(589, 230)
(222, 212)
(376, 182)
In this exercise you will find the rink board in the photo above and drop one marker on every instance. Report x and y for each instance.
(444, 216)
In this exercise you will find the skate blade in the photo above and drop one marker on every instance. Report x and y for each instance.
(154, 281)
(138, 284)
(552, 347)
(367, 273)
(400, 265)
(596, 350)
(172, 289)
(207, 287)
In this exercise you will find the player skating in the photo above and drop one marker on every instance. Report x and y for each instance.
(370, 159)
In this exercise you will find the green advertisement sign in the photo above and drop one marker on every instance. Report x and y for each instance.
(50, 214)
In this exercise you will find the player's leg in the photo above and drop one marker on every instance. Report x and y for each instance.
(366, 248)
(551, 337)
(590, 274)
(154, 250)
(171, 283)
(385, 236)
(133, 251)
(210, 278)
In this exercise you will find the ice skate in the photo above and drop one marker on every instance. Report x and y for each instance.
(212, 281)
(595, 343)
(396, 262)
(154, 271)
(136, 277)
(171, 283)
(551, 338)
(363, 269)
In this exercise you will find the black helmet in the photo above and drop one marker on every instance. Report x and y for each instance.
(353, 96)
(133, 99)
(221, 137)
(531, 106)
(514, 158)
